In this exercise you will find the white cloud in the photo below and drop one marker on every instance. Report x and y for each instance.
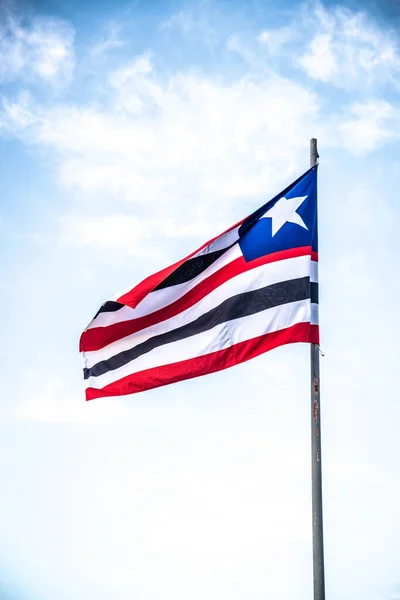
(40, 48)
(320, 61)
(369, 125)
(349, 49)
(108, 42)
(193, 130)
(182, 20)
(133, 88)
(198, 21)
(190, 145)
(129, 235)
(115, 230)
(275, 40)
(344, 48)
(141, 66)
(194, 144)
(18, 115)
(235, 44)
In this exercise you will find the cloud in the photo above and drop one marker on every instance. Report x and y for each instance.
(198, 21)
(320, 61)
(347, 48)
(191, 145)
(132, 86)
(108, 42)
(37, 48)
(371, 124)
(182, 20)
(275, 40)
(350, 49)
(111, 231)
(17, 115)
(128, 235)
(235, 44)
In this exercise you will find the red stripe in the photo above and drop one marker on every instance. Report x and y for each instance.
(140, 291)
(210, 363)
(99, 337)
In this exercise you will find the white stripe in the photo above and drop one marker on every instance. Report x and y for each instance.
(220, 337)
(314, 314)
(284, 270)
(161, 298)
(223, 241)
(314, 271)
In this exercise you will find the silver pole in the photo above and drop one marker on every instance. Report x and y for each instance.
(316, 465)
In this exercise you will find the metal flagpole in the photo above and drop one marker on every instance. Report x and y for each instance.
(316, 468)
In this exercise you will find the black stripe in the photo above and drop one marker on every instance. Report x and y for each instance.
(314, 293)
(109, 306)
(191, 268)
(241, 305)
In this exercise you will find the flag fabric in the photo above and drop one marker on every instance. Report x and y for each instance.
(247, 291)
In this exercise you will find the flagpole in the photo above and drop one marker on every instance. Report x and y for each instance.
(316, 465)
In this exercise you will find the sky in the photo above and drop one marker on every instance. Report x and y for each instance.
(130, 133)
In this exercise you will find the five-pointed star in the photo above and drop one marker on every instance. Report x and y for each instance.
(284, 211)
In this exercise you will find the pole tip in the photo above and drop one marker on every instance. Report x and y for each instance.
(314, 156)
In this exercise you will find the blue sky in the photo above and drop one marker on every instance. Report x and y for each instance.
(130, 133)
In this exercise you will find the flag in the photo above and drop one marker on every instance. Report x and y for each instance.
(246, 291)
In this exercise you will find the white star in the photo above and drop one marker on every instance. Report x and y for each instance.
(284, 211)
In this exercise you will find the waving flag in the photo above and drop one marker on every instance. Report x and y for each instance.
(247, 291)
